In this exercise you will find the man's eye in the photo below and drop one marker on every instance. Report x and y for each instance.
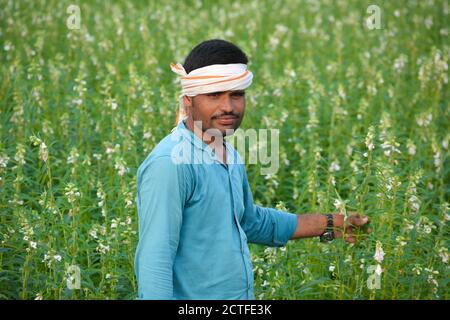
(239, 94)
(213, 94)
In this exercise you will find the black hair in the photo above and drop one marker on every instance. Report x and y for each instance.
(214, 51)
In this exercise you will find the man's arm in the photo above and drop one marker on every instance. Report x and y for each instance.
(265, 226)
(314, 225)
(161, 196)
(275, 228)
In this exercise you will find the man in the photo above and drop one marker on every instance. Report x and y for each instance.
(195, 206)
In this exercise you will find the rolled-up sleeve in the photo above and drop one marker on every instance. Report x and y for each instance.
(160, 201)
(266, 226)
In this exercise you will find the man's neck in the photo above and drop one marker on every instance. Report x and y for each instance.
(217, 145)
(203, 135)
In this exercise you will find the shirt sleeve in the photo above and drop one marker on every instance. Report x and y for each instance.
(161, 195)
(266, 226)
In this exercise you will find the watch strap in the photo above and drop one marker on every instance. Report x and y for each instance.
(328, 235)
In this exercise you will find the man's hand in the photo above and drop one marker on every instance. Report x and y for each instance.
(349, 229)
(314, 225)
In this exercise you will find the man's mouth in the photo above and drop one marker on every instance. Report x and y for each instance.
(226, 120)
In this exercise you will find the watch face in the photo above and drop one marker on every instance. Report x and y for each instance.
(328, 236)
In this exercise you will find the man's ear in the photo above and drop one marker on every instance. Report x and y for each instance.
(187, 101)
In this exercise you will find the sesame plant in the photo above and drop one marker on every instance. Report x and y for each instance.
(363, 116)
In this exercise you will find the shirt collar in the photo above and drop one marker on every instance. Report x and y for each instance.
(200, 144)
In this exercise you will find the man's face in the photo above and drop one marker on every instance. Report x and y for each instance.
(218, 110)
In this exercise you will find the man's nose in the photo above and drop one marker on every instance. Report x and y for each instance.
(226, 103)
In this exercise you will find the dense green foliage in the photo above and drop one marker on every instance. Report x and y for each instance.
(363, 118)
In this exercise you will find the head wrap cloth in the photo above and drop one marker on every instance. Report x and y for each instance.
(212, 78)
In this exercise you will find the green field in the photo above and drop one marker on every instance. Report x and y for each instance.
(363, 116)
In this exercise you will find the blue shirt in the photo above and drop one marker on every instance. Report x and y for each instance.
(196, 216)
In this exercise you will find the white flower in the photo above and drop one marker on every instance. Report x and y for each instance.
(73, 156)
(379, 253)
(369, 139)
(437, 159)
(8, 46)
(349, 150)
(417, 269)
(412, 150)
(120, 166)
(71, 192)
(332, 180)
(390, 147)
(414, 203)
(50, 257)
(423, 120)
(340, 205)
(33, 244)
(443, 254)
(93, 233)
(102, 248)
(3, 161)
(444, 143)
(331, 268)
(362, 261)
(274, 41)
(341, 92)
(147, 135)
(401, 241)
(400, 62)
(334, 166)
(43, 152)
(354, 166)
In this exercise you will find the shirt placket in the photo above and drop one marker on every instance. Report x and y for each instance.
(210, 154)
(236, 220)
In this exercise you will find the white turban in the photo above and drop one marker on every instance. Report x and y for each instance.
(212, 78)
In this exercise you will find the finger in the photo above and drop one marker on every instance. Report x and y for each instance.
(345, 235)
(349, 229)
(358, 220)
(350, 239)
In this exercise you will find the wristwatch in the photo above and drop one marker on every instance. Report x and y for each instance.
(328, 235)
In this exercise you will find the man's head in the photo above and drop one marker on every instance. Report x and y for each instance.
(221, 110)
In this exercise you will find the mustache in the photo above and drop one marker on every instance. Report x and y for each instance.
(226, 115)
